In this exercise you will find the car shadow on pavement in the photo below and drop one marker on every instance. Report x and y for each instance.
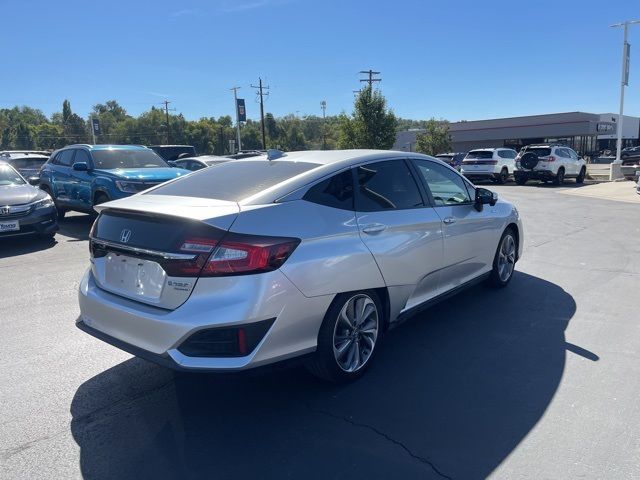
(15, 246)
(76, 226)
(451, 394)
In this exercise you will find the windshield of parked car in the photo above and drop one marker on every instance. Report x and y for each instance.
(480, 154)
(8, 176)
(234, 181)
(121, 158)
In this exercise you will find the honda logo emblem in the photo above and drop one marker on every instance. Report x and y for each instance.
(5, 210)
(125, 235)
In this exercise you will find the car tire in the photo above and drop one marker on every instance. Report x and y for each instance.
(581, 175)
(100, 198)
(503, 176)
(504, 261)
(521, 180)
(345, 353)
(559, 180)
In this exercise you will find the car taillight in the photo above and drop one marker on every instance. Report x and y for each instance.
(239, 254)
(492, 162)
(550, 158)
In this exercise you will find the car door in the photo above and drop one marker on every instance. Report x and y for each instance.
(575, 161)
(60, 177)
(469, 243)
(400, 229)
(80, 181)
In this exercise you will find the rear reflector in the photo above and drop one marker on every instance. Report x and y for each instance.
(237, 341)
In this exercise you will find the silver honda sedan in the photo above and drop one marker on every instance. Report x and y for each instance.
(256, 261)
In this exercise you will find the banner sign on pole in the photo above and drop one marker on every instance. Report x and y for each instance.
(627, 54)
(95, 124)
(242, 113)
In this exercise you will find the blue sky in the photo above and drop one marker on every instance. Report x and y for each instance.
(444, 59)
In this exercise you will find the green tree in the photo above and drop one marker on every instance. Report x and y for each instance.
(66, 111)
(371, 125)
(435, 139)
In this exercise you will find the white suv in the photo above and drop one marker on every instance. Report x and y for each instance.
(495, 164)
(549, 162)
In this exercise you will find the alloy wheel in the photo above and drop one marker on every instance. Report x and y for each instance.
(506, 258)
(355, 333)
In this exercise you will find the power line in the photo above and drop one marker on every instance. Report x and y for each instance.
(370, 73)
(261, 93)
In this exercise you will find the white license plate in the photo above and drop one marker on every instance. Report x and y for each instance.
(9, 226)
(134, 277)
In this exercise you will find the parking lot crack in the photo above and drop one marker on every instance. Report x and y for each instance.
(381, 434)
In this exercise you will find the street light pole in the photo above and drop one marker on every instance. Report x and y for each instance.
(235, 102)
(616, 171)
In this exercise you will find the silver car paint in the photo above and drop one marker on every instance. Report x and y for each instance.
(415, 256)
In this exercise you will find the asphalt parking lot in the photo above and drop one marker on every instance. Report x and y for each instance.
(538, 380)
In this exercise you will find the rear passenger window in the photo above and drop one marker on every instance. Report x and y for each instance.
(386, 185)
(336, 192)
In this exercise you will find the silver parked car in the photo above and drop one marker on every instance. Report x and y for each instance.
(256, 261)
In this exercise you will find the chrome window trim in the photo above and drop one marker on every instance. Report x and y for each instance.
(145, 251)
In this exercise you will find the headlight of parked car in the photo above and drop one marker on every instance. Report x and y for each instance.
(128, 187)
(46, 202)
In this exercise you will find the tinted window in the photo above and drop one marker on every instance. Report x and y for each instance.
(82, 156)
(234, 181)
(507, 153)
(336, 192)
(573, 154)
(386, 186)
(64, 158)
(447, 187)
(120, 158)
(28, 162)
(540, 151)
(479, 154)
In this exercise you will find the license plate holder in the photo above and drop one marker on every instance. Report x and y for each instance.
(9, 226)
(134, 277)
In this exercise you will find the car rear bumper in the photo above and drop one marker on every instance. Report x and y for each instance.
(472, 175)
(38, 222)
(157, 334)
(534, 174)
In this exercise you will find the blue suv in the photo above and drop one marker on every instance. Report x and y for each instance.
(80, 176)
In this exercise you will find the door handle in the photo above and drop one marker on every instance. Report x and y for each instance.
(449, 220)
(374, 228)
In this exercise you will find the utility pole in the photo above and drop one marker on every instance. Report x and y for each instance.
(261, 93)
(166, 113)
(323, 105)
(370, 73)
(235, 102)
(616, 171)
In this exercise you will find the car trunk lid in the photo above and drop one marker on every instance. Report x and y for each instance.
(140, 252)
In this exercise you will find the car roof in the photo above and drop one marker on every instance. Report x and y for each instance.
(16, 155)
(105, 147)
(204, 158)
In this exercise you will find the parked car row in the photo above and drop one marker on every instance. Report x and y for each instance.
(545, 162)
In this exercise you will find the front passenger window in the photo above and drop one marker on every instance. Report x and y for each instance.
(447, 187)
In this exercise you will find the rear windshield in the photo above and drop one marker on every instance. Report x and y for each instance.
(480, 154)
(540, 151)
(120, 158)
(234, 181)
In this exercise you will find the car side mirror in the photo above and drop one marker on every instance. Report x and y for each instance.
(80, 166)
(485, 197)
(35, 181)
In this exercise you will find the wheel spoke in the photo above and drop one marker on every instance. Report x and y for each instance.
(344, 317)
(343, 348)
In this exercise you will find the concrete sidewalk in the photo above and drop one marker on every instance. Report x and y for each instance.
(624, 191)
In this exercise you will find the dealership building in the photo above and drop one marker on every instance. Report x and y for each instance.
(584, 132)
